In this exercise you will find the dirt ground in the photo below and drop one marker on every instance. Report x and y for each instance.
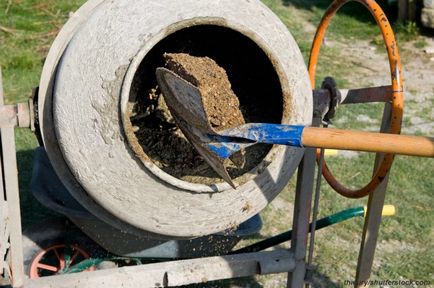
(373, 70)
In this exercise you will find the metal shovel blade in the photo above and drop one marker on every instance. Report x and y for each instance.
(185, 104)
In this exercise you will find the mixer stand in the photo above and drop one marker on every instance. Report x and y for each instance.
(183, 272)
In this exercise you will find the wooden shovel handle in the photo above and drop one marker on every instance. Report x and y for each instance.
(368, 141)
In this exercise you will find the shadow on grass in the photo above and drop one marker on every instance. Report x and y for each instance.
(32, 212)
(352, 9)
(322, 281)
(230, 283)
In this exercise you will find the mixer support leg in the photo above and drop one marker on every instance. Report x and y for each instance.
(302, 207)
(13, 203)
(10, 202)
(373, 218)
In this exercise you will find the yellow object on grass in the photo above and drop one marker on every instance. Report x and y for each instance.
(388, 210)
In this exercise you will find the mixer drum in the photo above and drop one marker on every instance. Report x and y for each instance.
(103, 63)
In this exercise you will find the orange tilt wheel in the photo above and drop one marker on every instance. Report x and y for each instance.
(397, 89)
(52, 260)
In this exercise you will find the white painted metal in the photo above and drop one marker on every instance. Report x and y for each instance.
(171, 274)
(4, 211)
(12, 195)
(86, 143)
(4, 239)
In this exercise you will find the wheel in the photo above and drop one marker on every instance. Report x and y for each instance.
(397, 99)
(44, 248)
(52, 259)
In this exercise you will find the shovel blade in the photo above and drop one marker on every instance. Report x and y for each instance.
(185, 104)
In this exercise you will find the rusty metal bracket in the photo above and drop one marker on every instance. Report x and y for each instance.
(17, 115)
(327, 99)
(335, 98)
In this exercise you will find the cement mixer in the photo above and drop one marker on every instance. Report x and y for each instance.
(114, 160)
(86, 93)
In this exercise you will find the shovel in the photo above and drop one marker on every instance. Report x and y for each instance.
(185, 103)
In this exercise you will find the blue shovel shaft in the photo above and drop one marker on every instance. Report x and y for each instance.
(232, 140)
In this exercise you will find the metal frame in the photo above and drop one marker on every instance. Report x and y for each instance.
(11, 220)
(4, 211)
(300, 226)
(173, 273)
(373, 216)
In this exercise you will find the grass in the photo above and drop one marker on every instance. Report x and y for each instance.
(406, 247)
(33, 25)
